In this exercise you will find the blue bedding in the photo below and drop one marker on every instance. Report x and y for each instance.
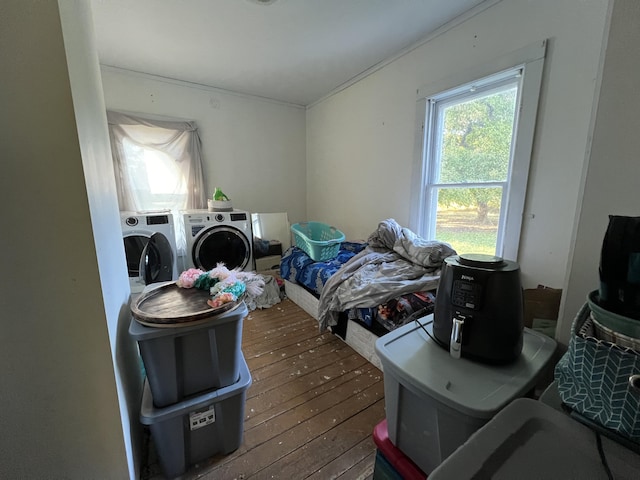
(297, 267)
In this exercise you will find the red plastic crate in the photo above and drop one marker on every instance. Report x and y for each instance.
(398, 460)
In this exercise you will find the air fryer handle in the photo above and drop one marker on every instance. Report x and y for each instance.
(455, 344)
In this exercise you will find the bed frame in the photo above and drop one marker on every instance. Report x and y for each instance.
(357, 337)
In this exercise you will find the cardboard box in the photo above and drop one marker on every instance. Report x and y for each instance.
(541, 303)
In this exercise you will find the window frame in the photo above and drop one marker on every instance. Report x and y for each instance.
(530, 62)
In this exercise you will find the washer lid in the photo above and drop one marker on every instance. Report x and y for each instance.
(156, 260)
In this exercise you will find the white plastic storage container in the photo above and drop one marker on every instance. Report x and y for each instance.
(183, 361)
(435, 402)
(193, 430)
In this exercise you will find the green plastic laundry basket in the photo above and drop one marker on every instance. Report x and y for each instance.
(319, 240)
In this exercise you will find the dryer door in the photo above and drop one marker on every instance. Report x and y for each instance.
(221, 244)
(156, 261)
(134, 245)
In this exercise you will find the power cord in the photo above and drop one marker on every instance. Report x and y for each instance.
(423, 325)
(603, 459)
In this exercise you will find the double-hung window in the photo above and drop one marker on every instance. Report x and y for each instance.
(475, 145)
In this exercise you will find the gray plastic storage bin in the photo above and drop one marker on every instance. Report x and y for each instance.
(529, 440)
(188, 360)
(435, 402)
(196, 429)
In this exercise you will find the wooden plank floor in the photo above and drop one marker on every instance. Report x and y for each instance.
(310, 411)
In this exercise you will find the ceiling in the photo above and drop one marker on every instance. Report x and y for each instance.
(294, 51)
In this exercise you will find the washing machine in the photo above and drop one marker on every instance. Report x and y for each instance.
(150, 247)
(218, 237)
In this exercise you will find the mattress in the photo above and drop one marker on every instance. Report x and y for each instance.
(298, 268)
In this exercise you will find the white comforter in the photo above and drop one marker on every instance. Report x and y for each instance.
(396, 261)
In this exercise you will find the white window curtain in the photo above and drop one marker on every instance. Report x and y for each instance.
(157, 166)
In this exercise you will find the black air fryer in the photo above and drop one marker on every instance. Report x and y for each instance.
(479, 308)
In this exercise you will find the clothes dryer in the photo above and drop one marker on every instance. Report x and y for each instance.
(218, 237)
(150, 247)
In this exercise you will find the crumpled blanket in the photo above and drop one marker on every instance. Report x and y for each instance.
(269, 296)
(395, 262)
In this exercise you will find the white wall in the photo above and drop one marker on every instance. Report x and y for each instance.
(360, 141)
(254, 149)
(611, 185)
(95, 149)
(60, 412)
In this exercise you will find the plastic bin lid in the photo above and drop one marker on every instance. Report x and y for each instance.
(477, 390)
(531, 440)
(142, 332)
(398, 460)
(150, 415)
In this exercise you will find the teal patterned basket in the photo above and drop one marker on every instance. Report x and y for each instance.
(319, 240)
(595, 379)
